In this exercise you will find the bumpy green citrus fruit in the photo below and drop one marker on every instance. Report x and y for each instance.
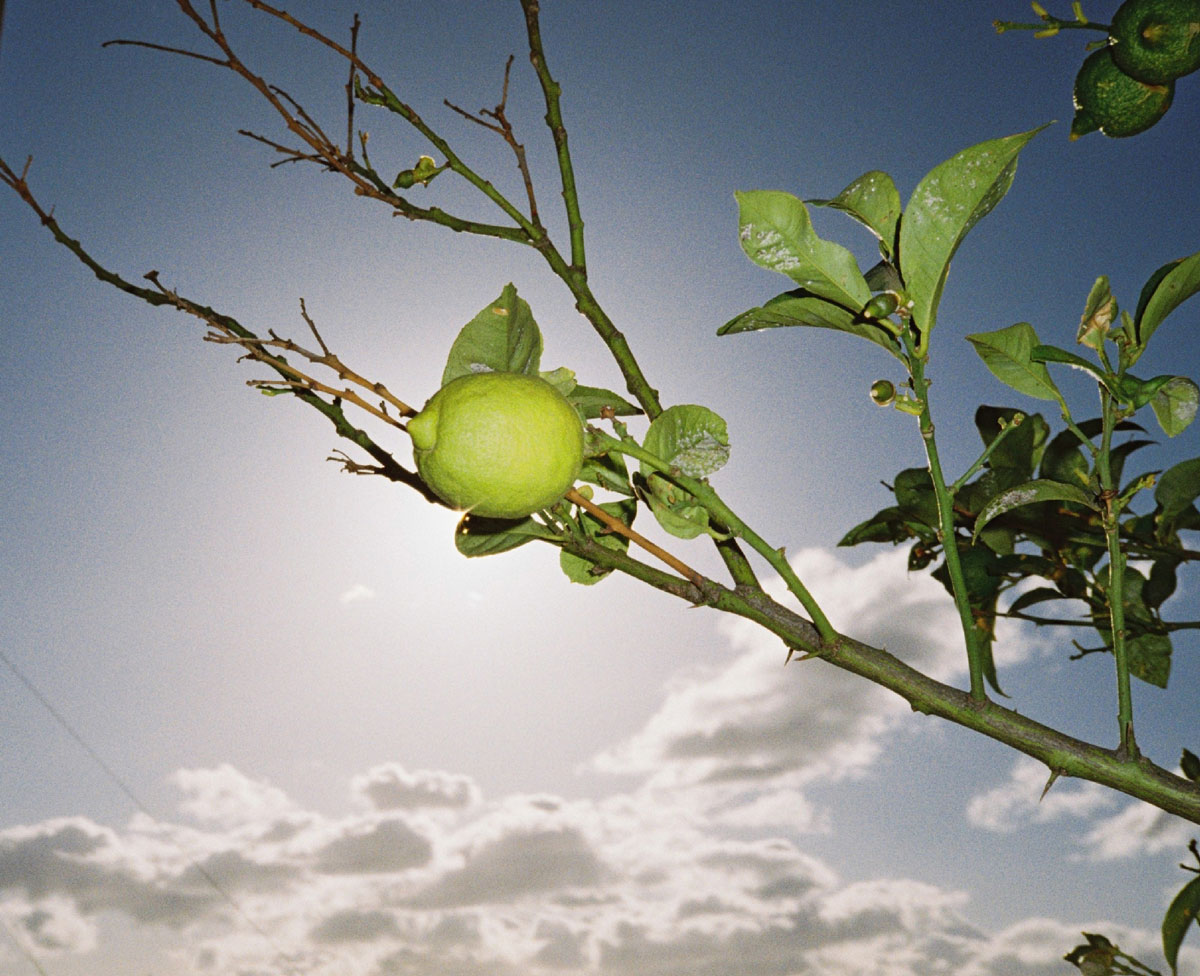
(1156, 41)
(1109, 100)
(500, 445)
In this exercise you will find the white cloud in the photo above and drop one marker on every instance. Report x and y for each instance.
(1138, 829)
(630, 885)
(1019, 801)
(390, 786)
(358, 593)
(224, 796)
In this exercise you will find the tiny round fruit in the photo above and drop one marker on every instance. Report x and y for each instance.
(1156, 41)
(1109, 100)
(500, 445)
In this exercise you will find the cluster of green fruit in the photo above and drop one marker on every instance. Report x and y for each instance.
(1126, 86)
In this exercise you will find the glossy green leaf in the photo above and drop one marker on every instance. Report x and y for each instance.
(1175, 403)
(502, 338)
(592, 401)
(799, 308)
(1029, 493)
(688, 437)
(1170, 286)
(1053, 354)
(777, 234)
(477, 536)
(874, 202)
(946, 204)
(1008, 353)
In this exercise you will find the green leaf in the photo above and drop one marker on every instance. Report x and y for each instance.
(1063, 460)
(688, 437)
(1174, 404)
(951, 199)
(580, 570)
(915, 496)
(478, 536)
(1098, 315)
(884, 276)
(1177, 488)
(1021, 450)
(1039, 594)
(1138, 392)
(591, 402)
(1053, 354)
(1189, 765)
(874, 202)
(676, 510)
(887, 525)
(562, 379)
(1169, 286)
(1031, 492)
(608, 471)
(1150, 658)
(1008, 353)
(800, 308)
(777, 234)
(502, 338)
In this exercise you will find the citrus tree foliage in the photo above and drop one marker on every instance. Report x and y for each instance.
(1061, 520)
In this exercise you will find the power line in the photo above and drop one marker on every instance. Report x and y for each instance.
(125, 787)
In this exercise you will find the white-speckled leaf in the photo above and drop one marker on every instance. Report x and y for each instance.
(1030, 493)
(777, 234)
(874, 202)
(951, 199)
(690, 438)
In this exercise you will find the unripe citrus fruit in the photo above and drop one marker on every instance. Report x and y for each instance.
(500, 445)
(1156, 41)
(1109, 100)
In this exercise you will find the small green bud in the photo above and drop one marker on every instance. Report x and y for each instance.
(883, 392)
(881, 306)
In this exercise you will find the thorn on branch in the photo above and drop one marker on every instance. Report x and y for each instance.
(1054, 775)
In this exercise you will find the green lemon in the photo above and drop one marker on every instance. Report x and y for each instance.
(500, 445)
(1109, 100)
(1156, 41)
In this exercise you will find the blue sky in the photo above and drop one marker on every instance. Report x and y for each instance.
(396, 760)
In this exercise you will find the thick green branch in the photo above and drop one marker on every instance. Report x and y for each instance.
(1062, 754)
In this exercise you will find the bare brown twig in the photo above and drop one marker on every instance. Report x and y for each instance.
(504, 128)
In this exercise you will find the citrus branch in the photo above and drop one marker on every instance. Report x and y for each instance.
(616, 525)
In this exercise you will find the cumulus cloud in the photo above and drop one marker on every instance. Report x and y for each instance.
(1020, 801)
(1136, 830)
(629, 885)
(390, 786)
